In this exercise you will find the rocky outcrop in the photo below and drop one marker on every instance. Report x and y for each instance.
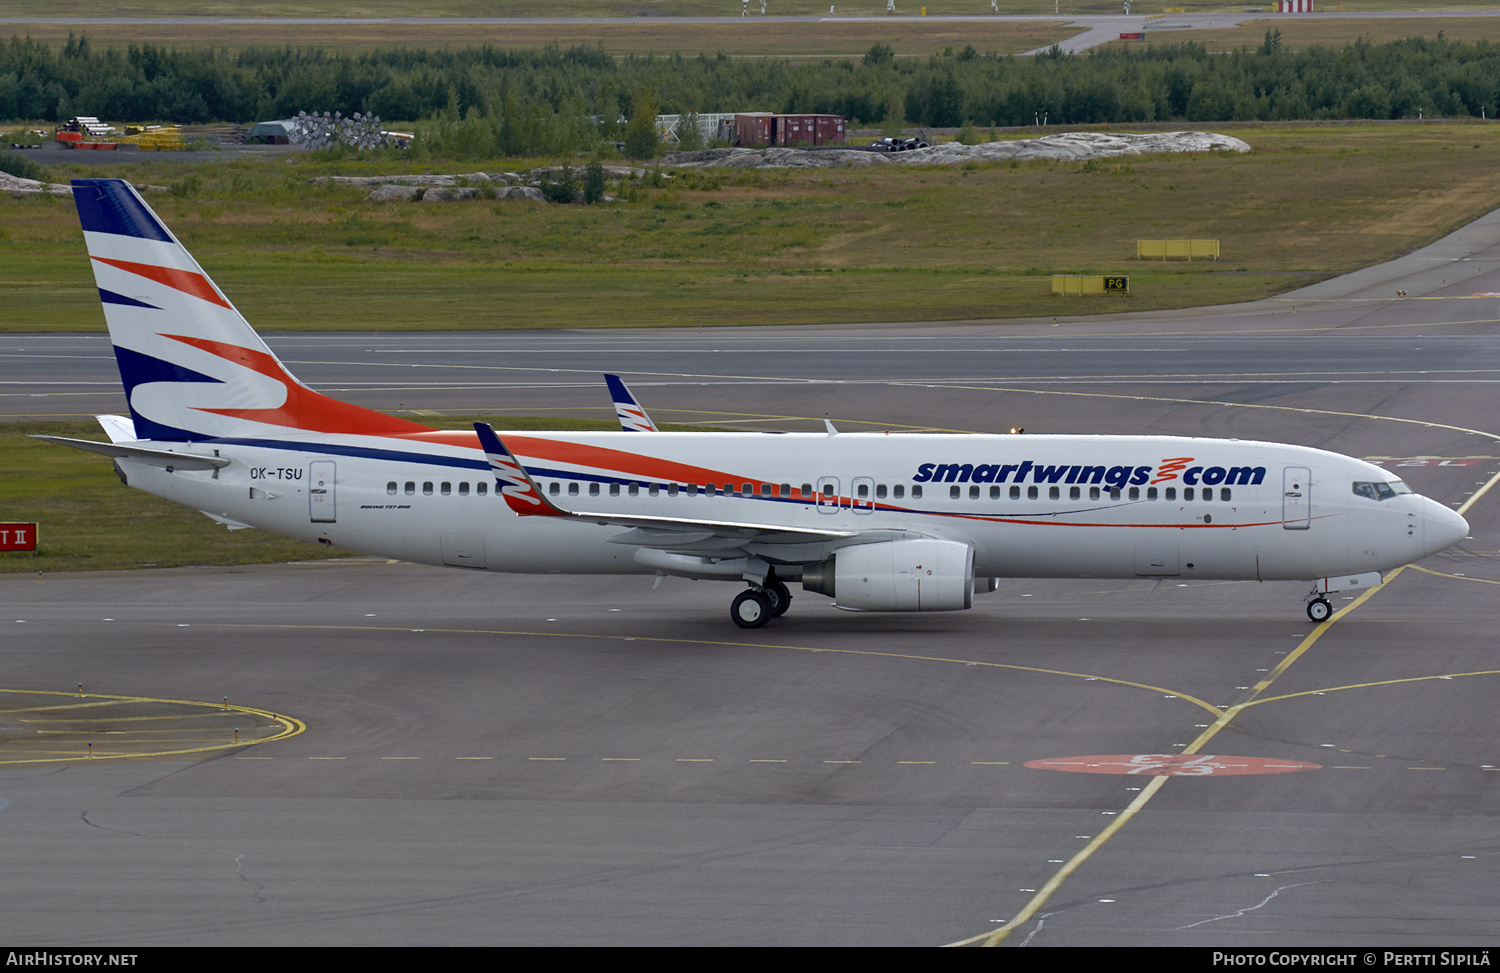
(1074, 146)
(17, 186)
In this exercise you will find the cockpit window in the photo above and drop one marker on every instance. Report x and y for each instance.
(1380, 491)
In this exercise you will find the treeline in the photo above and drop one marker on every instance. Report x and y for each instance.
(555, 95)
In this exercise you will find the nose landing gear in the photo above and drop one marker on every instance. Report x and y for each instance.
(1319, 609)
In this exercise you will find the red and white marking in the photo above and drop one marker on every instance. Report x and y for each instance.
(1172, 765)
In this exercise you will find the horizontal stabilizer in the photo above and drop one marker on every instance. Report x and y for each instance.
(164, 458)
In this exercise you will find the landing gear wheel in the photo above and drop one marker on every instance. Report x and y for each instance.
(779, 597)
(750, 609)
(1319, 610)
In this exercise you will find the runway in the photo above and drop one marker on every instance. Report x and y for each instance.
(524, 760)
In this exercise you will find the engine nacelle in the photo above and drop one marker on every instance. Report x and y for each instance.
(919, 575)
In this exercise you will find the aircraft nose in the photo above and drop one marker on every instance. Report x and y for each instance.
(1442, 528)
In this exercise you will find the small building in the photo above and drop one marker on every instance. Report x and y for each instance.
(271, 133)
(761, 129)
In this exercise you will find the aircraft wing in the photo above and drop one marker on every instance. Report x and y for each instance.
(666, 533)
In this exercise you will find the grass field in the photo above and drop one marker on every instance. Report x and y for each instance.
(780, 246)
(1300, 34)
(738, 39)
(751, 37)
(663, 9)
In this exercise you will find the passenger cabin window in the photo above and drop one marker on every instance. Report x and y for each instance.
(463, 489)
(481, 489)
(427, 488)
(898, 491)
(446, 489)
(411, 487)
(391, 488)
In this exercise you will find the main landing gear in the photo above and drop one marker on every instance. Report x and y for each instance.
(758, 604)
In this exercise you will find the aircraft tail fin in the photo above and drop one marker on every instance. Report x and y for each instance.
(192, 366)
(632, 416)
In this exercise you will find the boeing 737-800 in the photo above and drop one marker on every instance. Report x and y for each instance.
(878, 522)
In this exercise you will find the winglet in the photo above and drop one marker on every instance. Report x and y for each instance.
(521, 494)
(632, 416)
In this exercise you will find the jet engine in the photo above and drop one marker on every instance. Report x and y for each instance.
(918, 575)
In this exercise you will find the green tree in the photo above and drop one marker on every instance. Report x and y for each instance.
(689, 132)
(562, 190)
(593, 183)
(641, 138)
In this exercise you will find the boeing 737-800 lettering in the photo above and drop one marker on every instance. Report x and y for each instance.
(876, 522)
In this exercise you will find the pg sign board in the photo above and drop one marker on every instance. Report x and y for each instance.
(1121, 284)
(17, 537)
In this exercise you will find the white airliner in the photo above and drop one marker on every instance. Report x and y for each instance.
(878, 522)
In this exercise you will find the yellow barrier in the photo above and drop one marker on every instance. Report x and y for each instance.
(1080, 285)
(1178, 249)
(157, 139)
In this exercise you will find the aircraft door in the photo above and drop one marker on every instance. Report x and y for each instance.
(1296, 498)
(320, 492)
(862, 495)
(828, 494)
